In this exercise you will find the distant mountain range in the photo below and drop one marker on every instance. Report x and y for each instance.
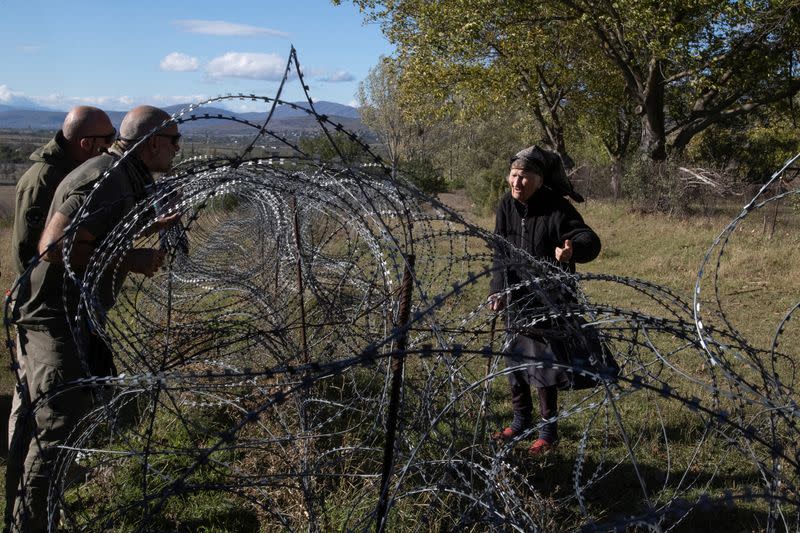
(285, 119)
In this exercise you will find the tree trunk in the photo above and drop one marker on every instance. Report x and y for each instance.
(616, 176)
(653, 142)
(654, 137)
(561, 148)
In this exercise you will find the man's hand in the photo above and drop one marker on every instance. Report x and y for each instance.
(564, 254)
(497, 302)
(162, 223)
(145, 261)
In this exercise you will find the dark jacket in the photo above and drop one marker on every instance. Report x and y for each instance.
(540, 225)
(34, 192)
(40, 302)
(544, 222)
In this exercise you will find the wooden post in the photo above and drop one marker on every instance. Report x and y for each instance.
(394, 397)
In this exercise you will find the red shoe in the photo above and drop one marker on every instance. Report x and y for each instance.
(540, 447)
(505, 434)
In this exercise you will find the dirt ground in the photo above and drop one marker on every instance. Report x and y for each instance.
(459, 202)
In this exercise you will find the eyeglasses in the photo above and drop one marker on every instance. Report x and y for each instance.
(175, 139)
(108, 138)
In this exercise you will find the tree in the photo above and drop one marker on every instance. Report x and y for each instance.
(379, 107)
(606, 110)
(749, 151)
(422, 173)
(469, 59)
(321, 146)
(692, 64)
(685, 64)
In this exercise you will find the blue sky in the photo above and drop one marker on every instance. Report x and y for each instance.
(117, 54)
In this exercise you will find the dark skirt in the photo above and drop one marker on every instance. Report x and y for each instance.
(581, 360)
(533, 360)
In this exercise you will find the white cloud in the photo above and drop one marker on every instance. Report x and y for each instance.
(54, 99)
(108, 103)
(311, 71)
(226, 29)
(16, 98)
(6, 94)
(241, 106)
(178, 62)
(338, 76)
(252, 66)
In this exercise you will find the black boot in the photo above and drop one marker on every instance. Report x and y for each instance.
(548, 409)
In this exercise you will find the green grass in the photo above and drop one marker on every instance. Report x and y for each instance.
(760, 280)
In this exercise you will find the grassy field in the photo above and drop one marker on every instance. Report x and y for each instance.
(760, 280)
(759, 276)
(6, 207)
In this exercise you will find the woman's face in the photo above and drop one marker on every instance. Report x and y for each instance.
(523, 183)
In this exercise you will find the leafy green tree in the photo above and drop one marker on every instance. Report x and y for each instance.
(486, 186)
(340, 148)
(750, 152)
(440, 152)
(476, 154)
(685, 64)
(422, 173)
(691, 64)
(470, 59)
(380, 110)
(607, 121)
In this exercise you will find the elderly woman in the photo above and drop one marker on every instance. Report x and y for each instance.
(534, 216)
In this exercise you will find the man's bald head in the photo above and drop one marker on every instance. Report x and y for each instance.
(85, 120)
(87, 132)
(158, 151)
(140, 121)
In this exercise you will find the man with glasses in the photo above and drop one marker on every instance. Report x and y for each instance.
(46, 337)
(85, 133)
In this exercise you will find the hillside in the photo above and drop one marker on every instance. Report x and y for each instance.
(285, 119)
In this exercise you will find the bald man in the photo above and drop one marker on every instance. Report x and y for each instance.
(45, 335)
(85, 133)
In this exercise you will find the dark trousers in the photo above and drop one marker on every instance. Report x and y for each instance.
(523, 404)
(52, 362)
(524, 354)
(523, 409)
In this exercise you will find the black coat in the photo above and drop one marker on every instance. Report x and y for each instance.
(538, 226)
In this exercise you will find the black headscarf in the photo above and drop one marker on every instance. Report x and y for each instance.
(548, 165)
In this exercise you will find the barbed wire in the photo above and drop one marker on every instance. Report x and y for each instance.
(318, 354)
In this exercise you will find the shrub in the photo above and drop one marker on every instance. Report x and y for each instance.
(655, 186)
(320, 146)
(9, 154)
(486, 186)
(753, 153)
(422, 173)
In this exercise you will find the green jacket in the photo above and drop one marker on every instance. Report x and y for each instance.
(34, 193)
(41, 299)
